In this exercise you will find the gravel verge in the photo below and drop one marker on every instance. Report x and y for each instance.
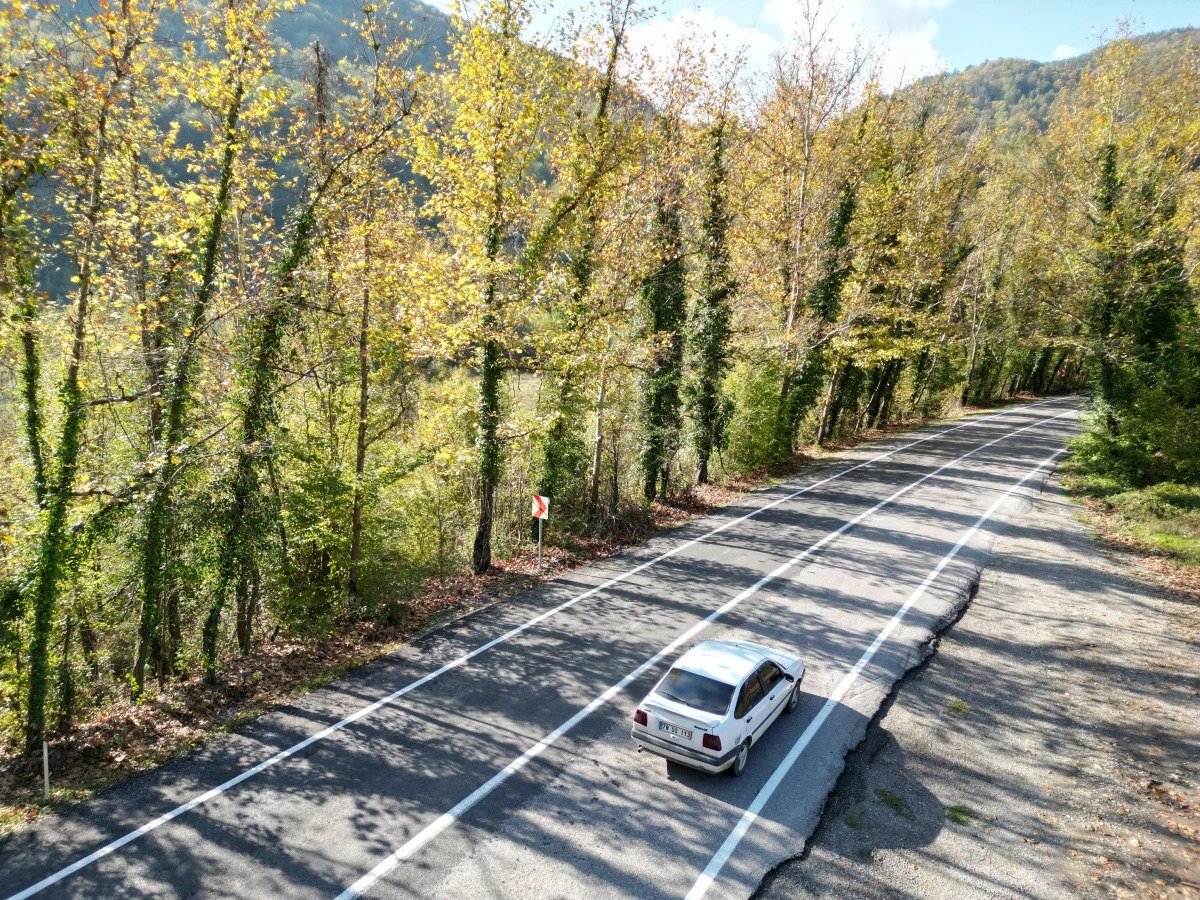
(1047, 748)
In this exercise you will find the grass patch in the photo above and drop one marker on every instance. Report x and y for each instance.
(958, 707)
(866, 854)
(895, 803)
(854, 820)
(960, 815)
(1164, 518)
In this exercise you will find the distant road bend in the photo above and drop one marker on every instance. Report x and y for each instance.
(492, 758)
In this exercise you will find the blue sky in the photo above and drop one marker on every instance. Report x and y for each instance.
(966, 32)
(917, 36)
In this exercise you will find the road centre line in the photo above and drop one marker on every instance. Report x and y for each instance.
(444, 821)
(717, 863)
(459, 661)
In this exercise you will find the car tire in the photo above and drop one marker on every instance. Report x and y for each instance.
(739, 761)
(793, 699)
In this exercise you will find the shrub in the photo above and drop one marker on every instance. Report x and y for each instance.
(753, 389)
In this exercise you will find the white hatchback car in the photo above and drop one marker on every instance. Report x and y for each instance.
(716, 702)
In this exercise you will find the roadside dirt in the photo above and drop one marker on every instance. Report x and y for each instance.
(1048, 748)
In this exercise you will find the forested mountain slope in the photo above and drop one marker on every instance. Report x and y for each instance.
(325, 21)
(1018, 94)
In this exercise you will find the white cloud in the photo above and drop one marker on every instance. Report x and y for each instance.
(1064, 51)
(702, 30)
(699, 32)
(903, 30)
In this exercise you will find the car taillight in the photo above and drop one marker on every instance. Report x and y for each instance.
(712, 742)
(639, 717)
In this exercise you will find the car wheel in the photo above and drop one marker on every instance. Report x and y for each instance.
(739, 761)
(793, 699)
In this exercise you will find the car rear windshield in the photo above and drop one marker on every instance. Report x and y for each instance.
(698, 691)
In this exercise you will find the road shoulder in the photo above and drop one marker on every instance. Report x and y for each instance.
(1046, 749)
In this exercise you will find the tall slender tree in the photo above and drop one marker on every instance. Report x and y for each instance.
(90, 96)
(247, 58)
(481, 137)
(711, 312)
(595, 153)
(664, 308)
(346, 155)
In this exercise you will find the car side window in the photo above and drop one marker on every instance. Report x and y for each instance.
(749, 696)
(769, 674)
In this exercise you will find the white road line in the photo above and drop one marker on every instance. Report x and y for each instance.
(120, 842)
(431, 831)
(713, 869)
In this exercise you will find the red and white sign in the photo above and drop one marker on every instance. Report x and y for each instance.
(541, 507)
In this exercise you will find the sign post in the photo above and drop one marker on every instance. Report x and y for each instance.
(541, 512)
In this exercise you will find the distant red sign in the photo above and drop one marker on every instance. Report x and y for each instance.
(541, 507)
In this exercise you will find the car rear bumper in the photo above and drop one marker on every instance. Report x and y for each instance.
(706, 762)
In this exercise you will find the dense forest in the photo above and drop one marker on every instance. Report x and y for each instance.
(290, 325)
(1019, 95)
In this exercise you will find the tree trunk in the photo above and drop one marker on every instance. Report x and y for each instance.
(238, 557)
(926, 371)
(614, 495)
(31, 375)
(866, 415)
(488, 448)
(650, 484)
(158, 510)
(598, 446)
(801, 383)
(709, 328)
(966, 392)
(49, 567)
(557, 444)
(664, 302)
(885, 407)
(848, 386)
(882, 394)
(66, 682)
(173, 639)
(360, 444)
(827, 406)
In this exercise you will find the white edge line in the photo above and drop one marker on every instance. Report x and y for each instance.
(166, 817)
(444, 821)
(717, 863)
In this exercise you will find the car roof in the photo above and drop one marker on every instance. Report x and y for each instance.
(725, 661)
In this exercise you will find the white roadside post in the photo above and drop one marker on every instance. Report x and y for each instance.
(46, 767)
(541, 512)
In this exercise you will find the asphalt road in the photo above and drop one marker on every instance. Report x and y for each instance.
(492, 758)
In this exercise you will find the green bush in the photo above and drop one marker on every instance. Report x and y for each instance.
(753, 389)
(1165, 500)
(1164, 515)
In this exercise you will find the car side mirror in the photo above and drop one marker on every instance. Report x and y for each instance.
(789, 678)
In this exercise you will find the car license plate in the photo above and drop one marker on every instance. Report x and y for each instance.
(675, 730)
